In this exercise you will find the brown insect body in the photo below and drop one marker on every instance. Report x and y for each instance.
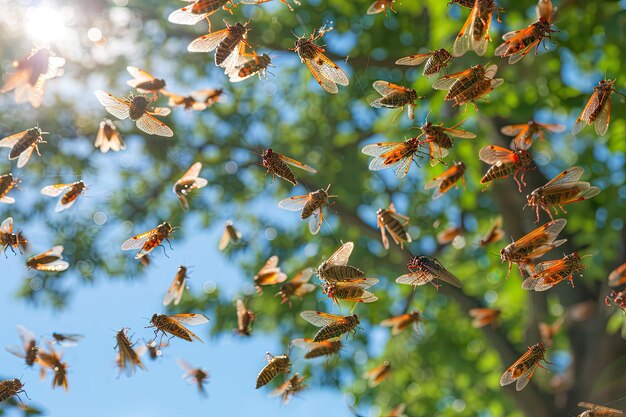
(257, 64)
(424, 270)
(505, 163)
(10, 388)
(236, 34)
(463, 3)
(138, 106)
(127, 357)
(351, 290)
(31, 138)
(378, 374)
(485, 316)
(29, 348)
(151, 85)
(445, 181)
(318, 349)
(147, 241)
(595, 410)
(172, 325)
(276, 365)
(245, 318)
(518, 43)
(298, 286)
(336, 267)
(10, 240)
(291, 387)
(598, 108)
(52, 361)
(522, 370)
(400, 323)
(7, 183)
(617, 277)
(389, 220)
(548, 274)
(331, 326)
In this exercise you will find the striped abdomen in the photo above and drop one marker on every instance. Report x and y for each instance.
(336, 329)
(278, 167)
(324, 349)
(277, 365)
(340, 272)
(73, 193)
(393, 224)
(465, 84)
(152, 85)
(317, 199)
(500, 170)
(207, 6)
(437, 62)
(7, 182)
(30, 138)
(604, 96)
(398, 99)
(164, 324)
(230, 42)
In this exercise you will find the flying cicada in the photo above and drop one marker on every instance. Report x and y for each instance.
(389, 220)
(310, 206)
(424, 270)
(336, 267)
(439, 139)
(187, 183)
(446, 180)
(278, 165)
(548, 274)
(331, 326)
(435, 61)
(276, 365)
(7, 183)
(524, 133)
(400, 323)
(523, 368)
(505, 162)
(172, 325)
(318, 349)
(598, 108)
(23, 144)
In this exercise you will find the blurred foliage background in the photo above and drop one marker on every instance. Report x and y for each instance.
(449, 368)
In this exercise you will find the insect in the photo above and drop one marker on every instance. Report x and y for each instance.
(144, 82)
(128, 358)
(136, 107)
(276, 365)
(52, 360)
(310, 207)
(23, 144)
(396, 155)
(318, 349)
(147, 241)
(72, 191)
(545, 10)
(394, 96)
(326, 72)
(198, 100)
(389, 220)
(524, 133)
(463, 3)
(187, 183)
(230, 234)
(435, 61)
(175, 291)
(10, 240)
(155, 350)
(547, 274)
(533, 245)
(617, 277)
(109, 138)
(31, 74)
(484, 316)
(249, 65)
(474, 34)
(200, 9)
(354, 290)
(424, 270)
(448, 235)
(494, 234)
(245, 318)
(446, 180)
(522, 370)
(7, 183)
(598, 108)
(548, 331)
(49, 261)
(66, 340)
(378, 374)
(278, 165)
(197, 376)
(10, 388)
(289, 388)
(336, 267)
(172, 325)
(439, 139)
(595, 410)
(618, 298)
(29, 349)
(225, 43)
(270, 274)
(380, 6)
(400, 323)
(505, 162)
(562, 189)
(298, 286)
(520, 42)
(332, 326)
(469, 85)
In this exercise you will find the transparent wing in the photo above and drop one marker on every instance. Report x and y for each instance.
(137, 242)
(25, 156)
(194, 171)
(10, 141)
(377, 149)
(584, 118)
(570, 175)
(7, 225)
(315, 221)
(153, 126)
(295, 203)
(385, 87)
(414, 278)
(303, 276)
(224, 240)
(271, 263)
(603, 119)
(297, 164)
(117, 107)
(514, 130)
(184, 16)
(416, 59)
(341, 255)
(139, 76)
(462, 41)
(208, 42)
(192, 319)
(55, 190)
(319, 319)
(493, 154)
(160, 111)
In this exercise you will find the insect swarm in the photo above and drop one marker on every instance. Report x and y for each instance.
(72, 192)
(523, 368)
(276, 365)
(474, 34)
(469, 85)
(310, 207)
(23, 144)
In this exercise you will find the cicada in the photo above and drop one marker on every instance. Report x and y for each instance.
(10, 240)
(230, 234)
(128, 358)
(332, 326)
(289, 388)
(176, 289)
(494, 234)
(172, 325)
(197, 376)
(72, 192)
(378, 374)
(469, 85)
(396, 155)
(446, 180)
(595, 410)
(435, 61)
(147, 241)
(380, 6)
(326, 72)
(310, 206)
(448, 235)
(439, 139)
(52, 360)
(524, 133)
(560, 190)
(276, 365)
(598, 108)
(187, 183)
(66, 340)
(318, 349)
(197, 100)
(145, 82)
(618, 298)
(533, 245)
(545, 10)
(10, 388)
(336, 267)
(394, 96)
(520, 42)
(270, 274)
(547, 274)
(474, 34)
(49, 261)
(225, 43)
(389, 220)
(109, 138)
(23, 144)
(155, 350)
(548, 331)
(31, 74)
(505, 162)
(522, 370)
(135, 107)
(400, 323)
(7, 183)
(245, 318)
(298, 286)
(424, 270)
(249, 65)
(200, 9)
(277, 164)
(29, 348)
(484, 316)
(617, 277)
(354, 290)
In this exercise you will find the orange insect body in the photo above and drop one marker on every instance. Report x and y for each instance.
(318, 349)
(200, 9)
(520, 42)
(276, 365)
(72, 192)
(310, 207)
(249, 66)
(617, 277)
(298, 286)
(522, 370)
(439, 139)
(598, 108)
(289, 388)
(469, 85)
(448, 235)
(177, 287)
(504, 163)
(444, 182)
(548, 274)
(435, 61)
(524, 133)
(7, 183)
(474, 34)
(424, 270)
(395, 96)
(332, 326)
(52, 361)
(278, 165)
(378, 374)
(495, 233)
(10, 240)
(389, 220)
(484, 316)
(270, 274)
(146, 242)
(400, 323)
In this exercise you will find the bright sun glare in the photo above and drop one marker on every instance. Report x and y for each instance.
(45, 24)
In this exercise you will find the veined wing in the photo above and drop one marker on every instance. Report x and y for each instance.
(117, 107)
(319, 319)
